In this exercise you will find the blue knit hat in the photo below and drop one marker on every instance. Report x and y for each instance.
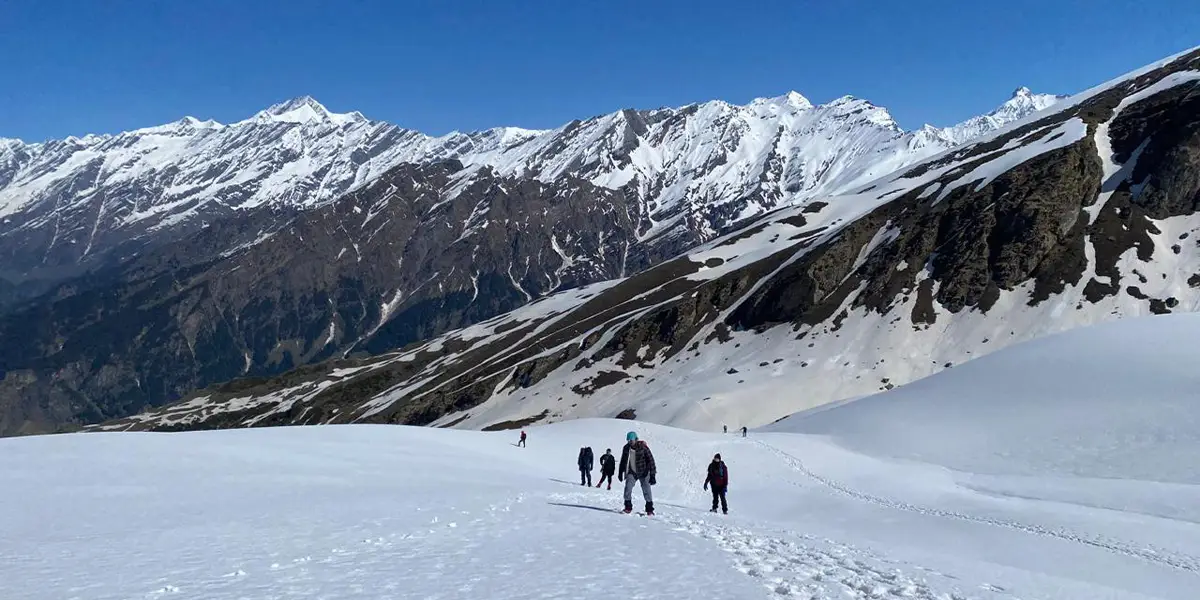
(631, 436)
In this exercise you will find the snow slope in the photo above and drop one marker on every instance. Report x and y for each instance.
(904, 495)
(1110, 401)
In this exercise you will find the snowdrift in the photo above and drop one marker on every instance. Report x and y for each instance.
(1119, 400)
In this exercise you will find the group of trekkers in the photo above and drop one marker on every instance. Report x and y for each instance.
(637, 466)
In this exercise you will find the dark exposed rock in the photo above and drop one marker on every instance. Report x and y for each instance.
(518, 423)
(1160, 307)
(318, 289)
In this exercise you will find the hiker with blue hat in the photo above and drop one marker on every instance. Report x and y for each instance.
(637, 465)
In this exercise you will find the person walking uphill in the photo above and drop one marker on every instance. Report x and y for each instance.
(608, 465)
(637, 465)
(585, 466)
(521, 444)
(718, 478)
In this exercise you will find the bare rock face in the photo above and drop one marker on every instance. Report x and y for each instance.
(1086, 213)
(413, 255)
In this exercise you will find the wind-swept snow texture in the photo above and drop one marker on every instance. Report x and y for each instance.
(974, 250)
(1057, 469)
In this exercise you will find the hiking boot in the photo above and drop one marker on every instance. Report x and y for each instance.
(649, 508)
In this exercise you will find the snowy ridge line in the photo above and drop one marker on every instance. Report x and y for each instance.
(744, 159)
(1174, 560)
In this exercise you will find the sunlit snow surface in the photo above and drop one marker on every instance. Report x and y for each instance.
(1057, 469)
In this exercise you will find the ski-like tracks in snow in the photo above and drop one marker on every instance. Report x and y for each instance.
(1161, 557)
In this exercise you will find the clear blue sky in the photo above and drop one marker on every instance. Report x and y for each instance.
(74, 67)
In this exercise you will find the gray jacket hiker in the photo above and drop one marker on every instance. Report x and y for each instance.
(637, 465)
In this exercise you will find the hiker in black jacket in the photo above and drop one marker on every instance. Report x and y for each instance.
(718, 478)
(585, 466)
(608, 466)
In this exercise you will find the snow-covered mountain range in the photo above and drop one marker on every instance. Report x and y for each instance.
(138, 267)
(695, 170)
(1085, 212)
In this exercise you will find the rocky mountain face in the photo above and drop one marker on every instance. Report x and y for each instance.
(140, 266)
(1087, 212)
(420, 251)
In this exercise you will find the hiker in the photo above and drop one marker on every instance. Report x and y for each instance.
(637, 465)
(725, 428)
(718, 478)
(521, 444)
(743, 431)
(608, 465)
(585, 466)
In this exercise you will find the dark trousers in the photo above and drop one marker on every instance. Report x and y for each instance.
(585, 477)
(718, 492)
(521, 444)
(604, 476)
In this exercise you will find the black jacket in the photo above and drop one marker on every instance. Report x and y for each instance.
(585, 459)
(718, 474)
(608, 464)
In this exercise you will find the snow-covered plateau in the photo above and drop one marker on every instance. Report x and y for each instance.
(1055, 469)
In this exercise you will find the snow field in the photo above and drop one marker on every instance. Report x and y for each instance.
(389, 512)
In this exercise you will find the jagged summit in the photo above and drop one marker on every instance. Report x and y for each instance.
(791, 99)
(305, 109)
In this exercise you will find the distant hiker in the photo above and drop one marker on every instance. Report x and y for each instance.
(608, 466)
(637, 465)
(743, 431)
(725, 428)
(521, 444)
(585, 466)
(718, 478)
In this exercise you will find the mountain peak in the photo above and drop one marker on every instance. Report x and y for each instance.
(305, 109)
(1024, 101)
(185, 126)
(793, 99)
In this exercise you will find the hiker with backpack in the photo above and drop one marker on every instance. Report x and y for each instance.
(608, 466)
(521, 443)
(637, 466)
(585, 466)
(718, 478)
